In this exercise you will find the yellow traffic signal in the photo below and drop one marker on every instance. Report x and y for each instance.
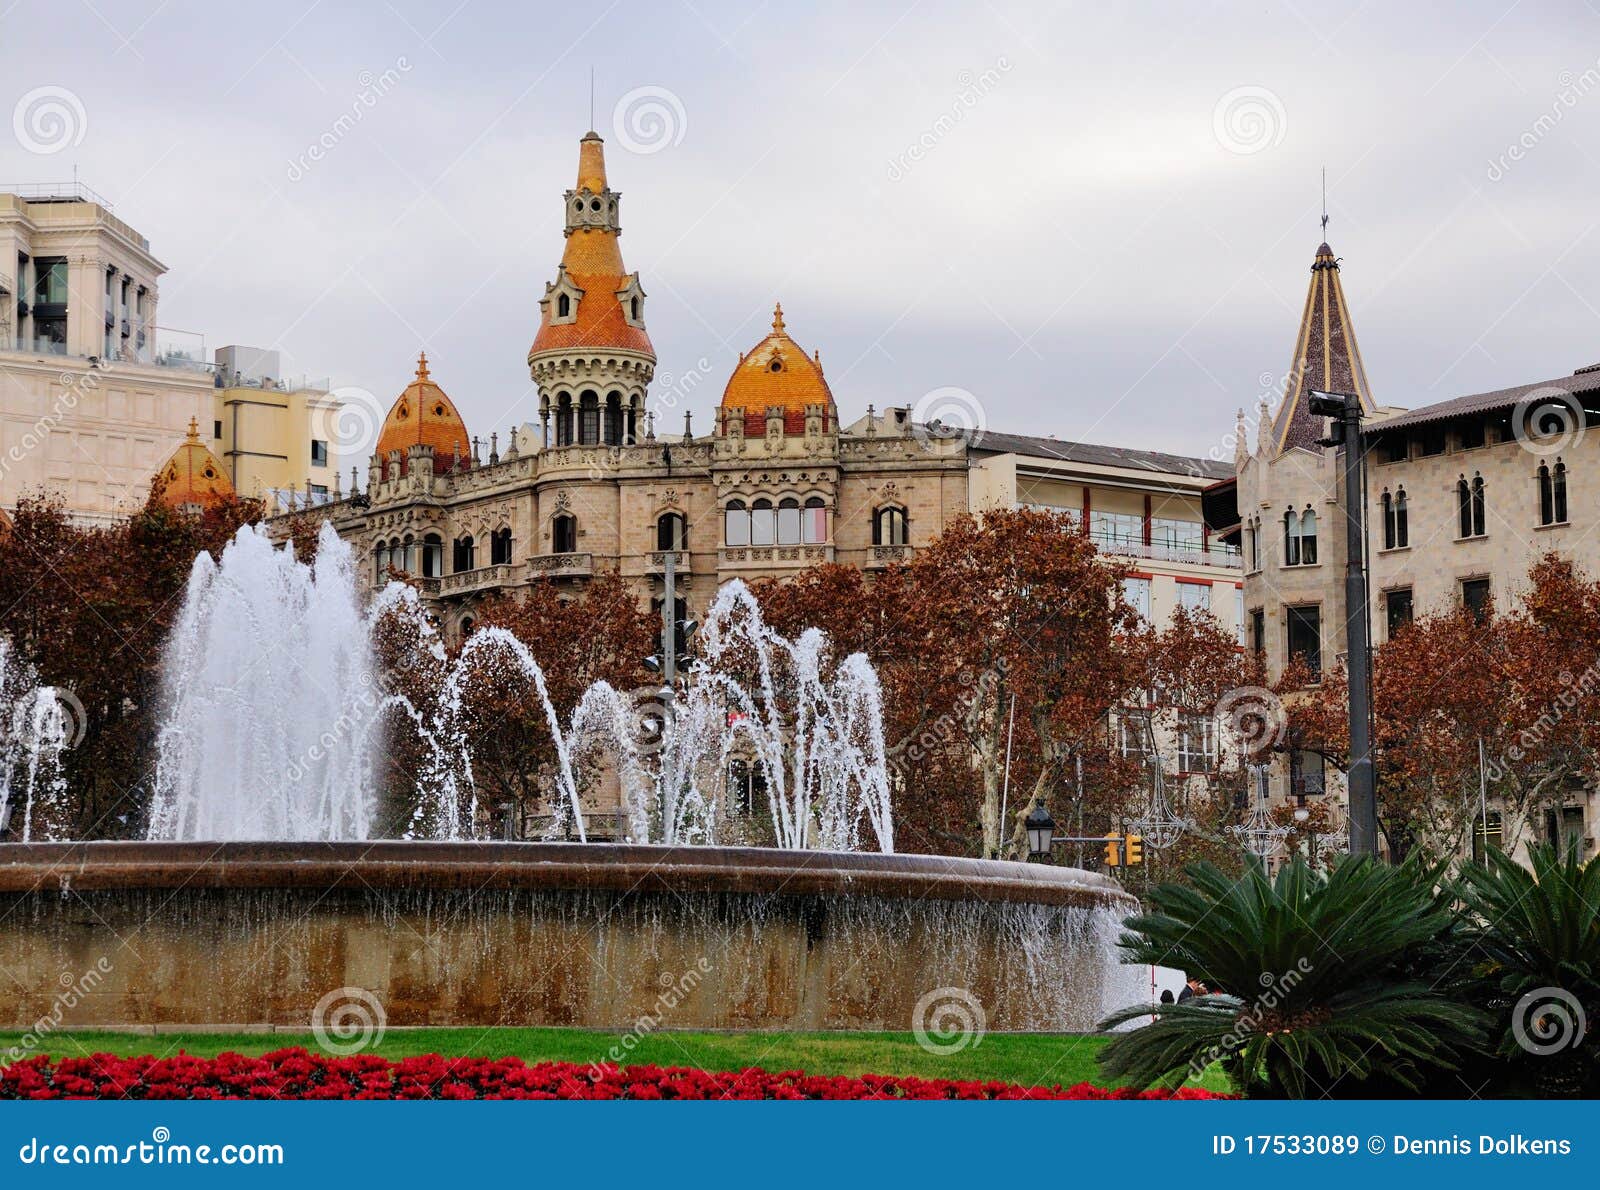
(1113, 850)
(1135, 849)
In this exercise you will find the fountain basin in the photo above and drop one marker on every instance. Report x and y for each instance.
(606, 936)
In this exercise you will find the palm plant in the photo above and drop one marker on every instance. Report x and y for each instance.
(1314, 981)
(1538, 932)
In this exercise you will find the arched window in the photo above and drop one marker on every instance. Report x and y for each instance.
(1308, 538)
(397, 555)
(564, 420)
(633, 308)
(1552, 493)
(736, 522)
(672, 531)
(467, 625)
(889, 526)
(1464, 507)
(763, 524)
(500, 547)
(432, 556)
(563, 306)
(1388, 520)
(788, 521)
(380, 557)
(564, 534)
(815, 524)
(462, 555)
(1291, 538)
(589, 418)
(1478, 507)
(1560, 484)
(613, 425)
(408, 555)
(1250, 547)
(1402, 520)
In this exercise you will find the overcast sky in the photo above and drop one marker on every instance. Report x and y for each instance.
(1098, 223)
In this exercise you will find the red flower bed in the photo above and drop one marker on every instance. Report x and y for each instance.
(297, 1074)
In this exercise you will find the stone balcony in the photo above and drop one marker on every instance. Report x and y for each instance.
(464, 582)
(655, 562)
(772, 557)
(880, 557)
(561, 565)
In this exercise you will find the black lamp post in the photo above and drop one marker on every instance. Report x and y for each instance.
(1041, 830)
(1345, 409)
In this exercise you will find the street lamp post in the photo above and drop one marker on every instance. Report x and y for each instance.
(1345, 408)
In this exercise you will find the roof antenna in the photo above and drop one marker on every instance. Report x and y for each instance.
(1324, 204)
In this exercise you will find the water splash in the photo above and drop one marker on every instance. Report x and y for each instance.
(36, 728)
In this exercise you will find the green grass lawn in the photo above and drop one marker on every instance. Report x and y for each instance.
(1032, 1059)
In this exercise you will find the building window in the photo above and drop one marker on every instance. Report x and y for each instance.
(380, 561)
(564, 534)
(1137, 592)
(1563, 829)
(672, 531)
(500, 547)
(564, 420)
(613, 419)
(1486, 829)
(1470, 506)
(589, 419)
(1475, 597)
(216, 430)
(462, 555)
(1258, 631)
(788, 521)
(1194, 597)
(1305, 637)
(1133, 735)
(1553, 493)
(1307, 773)
(815, 521)
(736, 522)
(1396, 520)
(1177, 537)
(1115, 530)
(432, 556)
(889, 526)
(563, 306)
(1300, 538)
(763, 524)
(1238, 615)
(1471, 435)
(1397, 609)
(1197, 743)
(319, 453)
(1431, 441)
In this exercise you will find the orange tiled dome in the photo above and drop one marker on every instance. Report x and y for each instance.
(424, 414)
(592, 261)
(192, 477)
(777, 372)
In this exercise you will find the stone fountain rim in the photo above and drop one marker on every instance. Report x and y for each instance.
(473, 866)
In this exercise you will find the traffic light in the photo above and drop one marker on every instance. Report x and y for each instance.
(1113, 850)
(1134, 848)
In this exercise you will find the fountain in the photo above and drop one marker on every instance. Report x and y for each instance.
(36, 724)
(262, 888)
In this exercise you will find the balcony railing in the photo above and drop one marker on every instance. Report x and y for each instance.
(656, 562)
(1215, 555)
(500, 574)
(881, 556)
(775, 557)
(562, 565)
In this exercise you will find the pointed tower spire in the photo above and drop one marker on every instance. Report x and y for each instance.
(422, 365)
(1326, 359)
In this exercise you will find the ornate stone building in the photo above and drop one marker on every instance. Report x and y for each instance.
(1462, 497)
(778, 484)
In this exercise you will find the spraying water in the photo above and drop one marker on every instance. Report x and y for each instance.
(36, 727)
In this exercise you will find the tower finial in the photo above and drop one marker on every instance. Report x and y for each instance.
(194, 429)
(591, 98)
(422, 365)
(777, 318)
(1324, 204)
